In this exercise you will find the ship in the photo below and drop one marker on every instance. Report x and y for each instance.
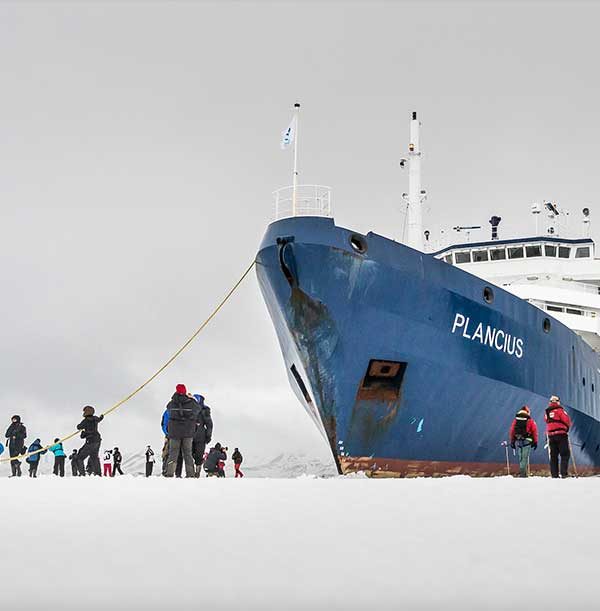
(412, 360)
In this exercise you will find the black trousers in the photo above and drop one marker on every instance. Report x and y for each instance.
(59, 466)
(89, 450)
(559, 446)
(149, 467)
(117, 468)
(33, 466)
(74, 469)
(15, 465)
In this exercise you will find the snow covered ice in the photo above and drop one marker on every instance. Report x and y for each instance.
(305, 543)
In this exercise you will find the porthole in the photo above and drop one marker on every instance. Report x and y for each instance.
(584, 381)
(358, 243)
(592, 387)
(546, 325)
(488, 295)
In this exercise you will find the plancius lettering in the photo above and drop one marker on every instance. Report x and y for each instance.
(498, 339)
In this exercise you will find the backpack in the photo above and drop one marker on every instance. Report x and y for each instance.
(521, 421)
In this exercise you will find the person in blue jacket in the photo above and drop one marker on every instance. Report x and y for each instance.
(34, 459)
(164, 423)
(59, 458)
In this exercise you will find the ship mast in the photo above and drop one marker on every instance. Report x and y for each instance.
(415, 196)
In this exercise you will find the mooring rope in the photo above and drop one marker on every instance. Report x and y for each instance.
(153, 376)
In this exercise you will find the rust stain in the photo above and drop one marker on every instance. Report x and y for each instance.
(389, 467)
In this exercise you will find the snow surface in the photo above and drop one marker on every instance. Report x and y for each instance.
(306, 543)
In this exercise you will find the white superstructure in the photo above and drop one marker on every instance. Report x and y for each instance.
(558, 275)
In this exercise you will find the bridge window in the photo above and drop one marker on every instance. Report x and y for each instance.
(550, 250)
(574, 311)
(462, 257)
(515, 252)
(480, 255)
(497, 254)
(582, 252)
(535, 250)
(448, 258)
(552, 308)
(564, 252)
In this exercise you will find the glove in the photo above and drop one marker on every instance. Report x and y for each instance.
(512, 445)
(534, 446)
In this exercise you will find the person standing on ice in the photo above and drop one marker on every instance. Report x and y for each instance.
(73, 459)
(107, 460)
(34, 460)
(523, 437)
(59, 458)
(237, 462)
(183, 416)
(164, 423)
(558, 424)
(203, 433)
(117, 460)
(15, 440)
(149, 461)
(91, 448)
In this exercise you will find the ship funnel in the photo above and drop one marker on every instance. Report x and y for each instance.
(494, 222)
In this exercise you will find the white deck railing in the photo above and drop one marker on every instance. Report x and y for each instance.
(310, 200)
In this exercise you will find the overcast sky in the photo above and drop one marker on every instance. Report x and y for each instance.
(139, 146)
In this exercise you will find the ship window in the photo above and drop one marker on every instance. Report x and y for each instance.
(552, 308)
(462, 257)
(582, 253)
(546, 325)
(358, 243)
(515, 252)
(534, 250)
(550, 250)
(564, 252)
(574, 311)
(488, 294)
(448, 259)
(480, 255)
(584, 381)
(497, 254)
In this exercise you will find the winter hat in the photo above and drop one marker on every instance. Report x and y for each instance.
(180, 389)
(88, 410)
(17, 418)
(57, 439)
(554, 399)
(525, 408)
(217, 446)
(199, 399)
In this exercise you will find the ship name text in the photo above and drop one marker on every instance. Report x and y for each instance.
(488, 336)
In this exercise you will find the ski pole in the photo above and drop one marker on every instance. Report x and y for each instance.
(505, 444)
(573, 457)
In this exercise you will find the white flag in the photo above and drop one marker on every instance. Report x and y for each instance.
(288, 136)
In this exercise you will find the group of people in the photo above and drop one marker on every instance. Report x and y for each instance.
(186, 423)
(524, 438)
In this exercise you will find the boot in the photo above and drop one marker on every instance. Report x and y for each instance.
(18, 469)
(198, 470)
(13, 470)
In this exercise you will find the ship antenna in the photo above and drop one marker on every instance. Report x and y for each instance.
(415, 196)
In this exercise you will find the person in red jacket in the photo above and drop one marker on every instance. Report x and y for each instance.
(523, 437)
(558, 424)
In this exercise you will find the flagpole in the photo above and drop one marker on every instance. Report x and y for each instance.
(295, 182)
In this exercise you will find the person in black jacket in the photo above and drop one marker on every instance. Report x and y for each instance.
(203, 433)
(117, 460)
(183, 418)
(214, 460)
(237, 462)
(73, 459)
(16, 435)
(149, 461)
(91, 448)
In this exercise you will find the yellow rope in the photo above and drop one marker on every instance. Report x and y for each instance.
(153, 376)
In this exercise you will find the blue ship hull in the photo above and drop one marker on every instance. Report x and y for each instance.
(411, 366)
